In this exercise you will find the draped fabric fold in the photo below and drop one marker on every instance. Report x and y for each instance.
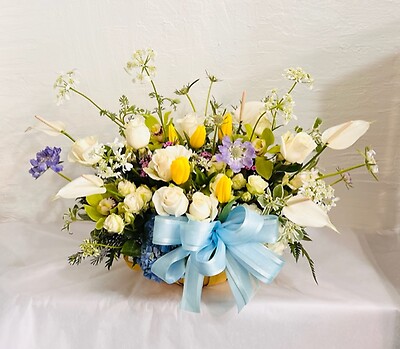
(236, 246)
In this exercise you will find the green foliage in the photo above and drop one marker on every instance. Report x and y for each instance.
(268, 137)
(297, 249)
(131, 248)
(264, 167)
(225, 211)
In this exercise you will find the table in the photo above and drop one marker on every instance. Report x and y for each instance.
(46, 303)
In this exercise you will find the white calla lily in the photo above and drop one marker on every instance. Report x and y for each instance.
(52, 128)
(344, 135)
(82, 186)
(305, 212)
(251, 112)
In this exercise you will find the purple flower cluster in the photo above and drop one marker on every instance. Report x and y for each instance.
(144, 162)
(236, 155)
(45, 159)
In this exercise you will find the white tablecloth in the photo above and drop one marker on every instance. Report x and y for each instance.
(45, 303)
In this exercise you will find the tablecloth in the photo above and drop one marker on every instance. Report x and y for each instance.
(46, 303)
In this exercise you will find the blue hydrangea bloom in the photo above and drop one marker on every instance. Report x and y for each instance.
(151, 252)
(45, 159)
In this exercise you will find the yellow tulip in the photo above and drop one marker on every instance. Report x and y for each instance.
(172, 135)
(180, 170)
(226, 128)
(198, 137)
(223, 189)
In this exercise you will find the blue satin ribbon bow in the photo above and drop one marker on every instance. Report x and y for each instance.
(207, 249)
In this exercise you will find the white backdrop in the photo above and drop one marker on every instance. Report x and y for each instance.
(351, 49)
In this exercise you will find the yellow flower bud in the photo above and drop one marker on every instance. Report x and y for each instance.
(198, 137)
(223, 189)
(226, 127)
(180, 170)
(172, 135)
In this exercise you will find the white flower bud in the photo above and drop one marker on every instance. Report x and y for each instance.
(114, 224)
(256, 185)
(133, 203)
(136, 133)
(125, 188)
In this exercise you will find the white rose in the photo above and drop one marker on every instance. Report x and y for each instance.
(145, 193)
(125, 188)
(251, 113)
(114, 224)
(203, 207)
(85, 151)
(160, 165)
(133, 203)
(170, 201)
(136, 133)
(188, 124)
(256, 184)
(295, 148)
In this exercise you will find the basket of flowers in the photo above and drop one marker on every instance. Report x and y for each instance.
(216, 194)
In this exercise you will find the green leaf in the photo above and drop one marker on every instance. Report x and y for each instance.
(166, 117)
(248, 129)
(150, 121)
(264, 167)
(93, 200)
(93, 213)
(275, 149)
(278, 191)
(317, 123)
(225, 211)
(201, 177)
(131, 248)
(268, 137)
(310, 262)
(100, 223)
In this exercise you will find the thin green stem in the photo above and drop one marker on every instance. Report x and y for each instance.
(67, 135)
(159, 109)
(336, 182)
(255, 125)
(215, 140)
(64, 176)
(292, 88)
(86, 97)
(191, 102)
(309, 162)
(341, 171)
(97, 106)
(114, 193)
(273, 127)
(108, 246)
(208, 98)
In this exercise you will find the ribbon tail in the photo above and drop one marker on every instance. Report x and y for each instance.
(192, 288)
(258, 260)
(171, 266)
(241, 282)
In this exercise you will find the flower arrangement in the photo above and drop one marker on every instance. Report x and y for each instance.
(215, 190)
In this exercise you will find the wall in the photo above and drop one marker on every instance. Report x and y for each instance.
(351, 48)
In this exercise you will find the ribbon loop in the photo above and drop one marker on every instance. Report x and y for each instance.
(236, 246)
